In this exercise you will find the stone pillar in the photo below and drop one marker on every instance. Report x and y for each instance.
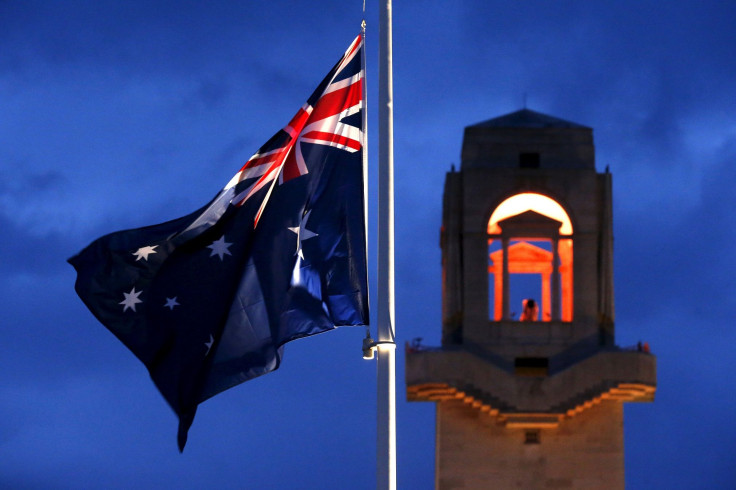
(505, 293)
(546, 301)
(555, 280)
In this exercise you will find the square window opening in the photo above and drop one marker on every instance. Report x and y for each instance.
(528, 160)
(532, 437)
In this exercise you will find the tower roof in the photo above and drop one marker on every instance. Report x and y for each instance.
(546, 142)
(526, 118)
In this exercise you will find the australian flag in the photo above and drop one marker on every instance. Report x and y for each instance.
(207, 301)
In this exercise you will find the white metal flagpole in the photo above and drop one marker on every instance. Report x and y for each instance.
(386, 346)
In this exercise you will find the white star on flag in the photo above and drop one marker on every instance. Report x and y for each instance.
(209, 345)
(144, 252)
(171, 302)
(220, 247)
(302, 234)
(131, 299)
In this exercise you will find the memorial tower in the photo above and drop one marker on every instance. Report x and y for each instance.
(528, 393)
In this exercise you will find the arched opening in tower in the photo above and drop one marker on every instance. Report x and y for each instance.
(530, 247)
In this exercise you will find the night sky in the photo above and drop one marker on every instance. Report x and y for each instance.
(116, 115)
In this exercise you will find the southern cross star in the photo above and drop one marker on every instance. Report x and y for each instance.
(171, 302)
(144, 252)
(131, 299)
(302, 234)
(209, 345)
(220, 247)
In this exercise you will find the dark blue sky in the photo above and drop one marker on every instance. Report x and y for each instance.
(122, 114)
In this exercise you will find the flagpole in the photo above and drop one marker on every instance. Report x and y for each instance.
(386, 346)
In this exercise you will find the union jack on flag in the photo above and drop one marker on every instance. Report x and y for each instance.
(331, 116)
(324, 120)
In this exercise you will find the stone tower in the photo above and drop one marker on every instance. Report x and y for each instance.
(528, 394)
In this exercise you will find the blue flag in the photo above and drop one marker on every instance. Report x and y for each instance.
(207, 301)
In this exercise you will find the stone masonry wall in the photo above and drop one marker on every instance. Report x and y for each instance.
(585, 452)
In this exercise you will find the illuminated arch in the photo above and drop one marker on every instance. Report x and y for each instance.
(529, 201)
(526, 257)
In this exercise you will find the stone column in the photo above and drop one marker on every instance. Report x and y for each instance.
(555, 280)
(505, 292)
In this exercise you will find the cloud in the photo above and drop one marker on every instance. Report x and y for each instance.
(674, 249)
